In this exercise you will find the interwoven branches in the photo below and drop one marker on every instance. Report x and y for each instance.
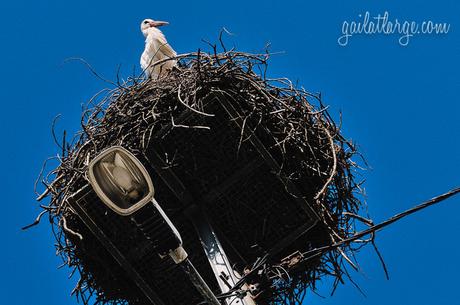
(311, 150)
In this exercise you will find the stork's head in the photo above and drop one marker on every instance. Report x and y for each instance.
(150, 23)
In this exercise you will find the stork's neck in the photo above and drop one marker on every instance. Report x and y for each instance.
(152, 32)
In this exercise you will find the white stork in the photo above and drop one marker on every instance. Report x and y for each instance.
(156, 49)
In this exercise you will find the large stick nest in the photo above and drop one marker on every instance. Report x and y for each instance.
(300, 133)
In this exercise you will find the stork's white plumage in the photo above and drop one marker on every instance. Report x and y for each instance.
(156, 49)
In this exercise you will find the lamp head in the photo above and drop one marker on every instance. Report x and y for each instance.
(120, 180)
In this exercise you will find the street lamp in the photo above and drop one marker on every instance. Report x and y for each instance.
(124, 185)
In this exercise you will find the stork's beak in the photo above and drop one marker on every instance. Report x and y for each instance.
(158, 23)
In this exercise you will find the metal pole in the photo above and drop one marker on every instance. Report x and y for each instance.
(223, 271)
(198, 282)
(151, 227)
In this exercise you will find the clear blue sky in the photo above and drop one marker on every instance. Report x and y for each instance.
(401, 104)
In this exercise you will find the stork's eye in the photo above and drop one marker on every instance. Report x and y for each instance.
(145, 22)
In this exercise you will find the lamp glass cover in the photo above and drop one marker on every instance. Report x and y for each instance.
(120, 180)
